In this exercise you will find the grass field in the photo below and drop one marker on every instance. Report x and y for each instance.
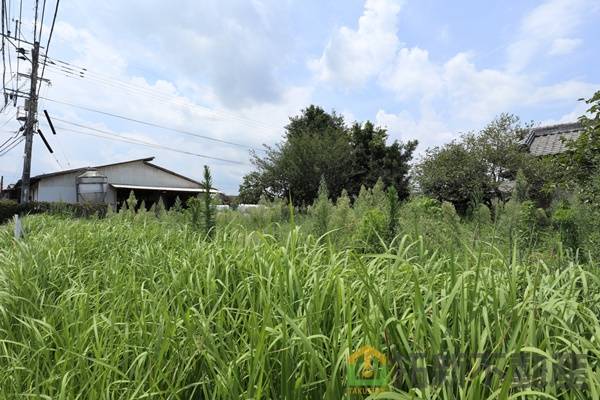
(125, 308)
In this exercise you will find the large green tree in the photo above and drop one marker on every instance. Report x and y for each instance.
(372, 159)
(475, 166)
(582, 163)
(318, 145)
(498, 146)
(453, 173)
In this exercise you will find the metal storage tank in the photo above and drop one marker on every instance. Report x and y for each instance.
(91, 187)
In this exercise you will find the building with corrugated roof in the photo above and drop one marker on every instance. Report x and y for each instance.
(112, 184)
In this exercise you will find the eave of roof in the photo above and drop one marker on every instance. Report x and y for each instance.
(160, 188)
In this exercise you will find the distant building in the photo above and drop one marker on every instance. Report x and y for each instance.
(112, 183)
(551, 139)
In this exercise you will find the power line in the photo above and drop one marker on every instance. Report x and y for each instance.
(8, 142)
(170, 100)
(84, 72)
(42, 20)
(18, 26)
(57, 137)
(12, 147)
(8, 120)
(114, 136)
(48, 42)
(149, 124)
(3, 54)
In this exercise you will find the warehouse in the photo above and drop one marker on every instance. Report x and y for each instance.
(112, 184)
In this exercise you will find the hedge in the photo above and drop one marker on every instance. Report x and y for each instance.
(8, 208)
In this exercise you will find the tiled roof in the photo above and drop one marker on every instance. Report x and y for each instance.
(551, 139)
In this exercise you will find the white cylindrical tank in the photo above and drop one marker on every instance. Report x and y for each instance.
(91, 187)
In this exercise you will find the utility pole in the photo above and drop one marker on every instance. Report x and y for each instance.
(30, 123)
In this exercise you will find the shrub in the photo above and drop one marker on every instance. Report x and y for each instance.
(370, 231)
(8, 208)
(194, 211)
(424, 206)
(342, 217)
(160, 209)
(521, 190)
(565, 220)
(208, 210)
(393, 209)
(481, 215)
(321, 210)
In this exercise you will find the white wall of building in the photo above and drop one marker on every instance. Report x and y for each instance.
(57, 188)
(63, 187)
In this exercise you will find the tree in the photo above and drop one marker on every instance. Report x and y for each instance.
(372, 159)
(252, 188)
(315, 145)
(476, 164)
(319, 144)
(583, 161)
(498, 145)
(208, 209)
(452, 173)
(201, 209)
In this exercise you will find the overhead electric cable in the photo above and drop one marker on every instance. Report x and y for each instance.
(8, 142)
(42, 20)
(148, 124)
(5, 151)
(149, 91)
(48, 42)
(114, 136)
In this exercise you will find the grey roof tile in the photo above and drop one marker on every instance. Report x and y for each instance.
(551, 139)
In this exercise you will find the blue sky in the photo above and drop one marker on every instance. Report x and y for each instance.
(236, 70)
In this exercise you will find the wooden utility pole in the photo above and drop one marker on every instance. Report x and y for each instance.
(30, 123)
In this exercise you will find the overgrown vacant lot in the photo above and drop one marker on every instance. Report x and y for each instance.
(143, 308)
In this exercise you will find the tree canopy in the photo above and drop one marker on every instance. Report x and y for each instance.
(582, 164)
(475, 166)
(319, 145)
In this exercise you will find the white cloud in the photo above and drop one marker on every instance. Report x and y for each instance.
(429, 129)
(412, 73)
(479, 94)
(465, 91)
(354, 56)
(570, 116)
(543, 29)
(562, 46)
(455, 93)
(183, 104)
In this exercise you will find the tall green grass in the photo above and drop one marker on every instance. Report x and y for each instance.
(129, 309)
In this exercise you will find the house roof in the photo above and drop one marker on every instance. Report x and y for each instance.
(551, 139)
(84, 169)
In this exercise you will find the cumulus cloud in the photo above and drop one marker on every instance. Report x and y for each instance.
(352, 57)
(412, 73)
(235, 47)
(428, 128)
(475, 95)
(110, 85)
(544, 29)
